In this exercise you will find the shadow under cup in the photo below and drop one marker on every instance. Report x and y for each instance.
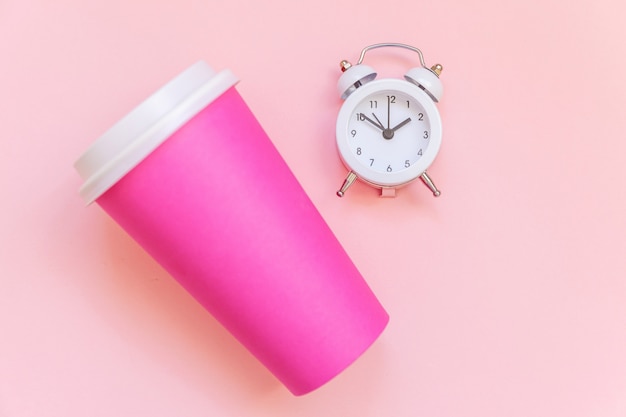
(193, 178)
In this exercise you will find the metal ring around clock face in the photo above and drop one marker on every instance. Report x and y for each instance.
(388, 132)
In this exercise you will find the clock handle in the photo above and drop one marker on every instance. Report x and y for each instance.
(392, 45)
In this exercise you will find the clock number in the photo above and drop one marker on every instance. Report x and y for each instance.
(358, 151)
(408, 104)
(420, 153)
(353, 133)
(389, 168)
(425, 134)
(360, 117)
(373, 104)
(371, 162)
(407, 163)
(391, 99)
(420, 116)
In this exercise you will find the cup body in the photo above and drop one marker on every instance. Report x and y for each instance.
(216, 205)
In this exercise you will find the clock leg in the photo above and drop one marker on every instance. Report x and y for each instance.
(346, 183)
(430, 184)
(388, 192)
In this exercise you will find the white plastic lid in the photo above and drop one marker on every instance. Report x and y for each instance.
(142, 130)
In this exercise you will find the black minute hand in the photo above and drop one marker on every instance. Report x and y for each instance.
(388, 111)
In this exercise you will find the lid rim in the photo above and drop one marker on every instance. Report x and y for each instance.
(120, 149)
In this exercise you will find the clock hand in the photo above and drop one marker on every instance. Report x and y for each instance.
(378, 125)
(388, 111)
(401, 124)
(388, 133)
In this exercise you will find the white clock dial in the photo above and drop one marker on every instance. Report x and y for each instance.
(388, 132)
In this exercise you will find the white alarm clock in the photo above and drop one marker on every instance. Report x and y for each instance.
(389, 130)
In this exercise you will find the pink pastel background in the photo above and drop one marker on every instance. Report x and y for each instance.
(507, 295)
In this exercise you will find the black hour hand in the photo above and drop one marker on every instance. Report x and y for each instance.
(401, 124)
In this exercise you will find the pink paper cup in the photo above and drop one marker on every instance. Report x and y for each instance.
(193, 178)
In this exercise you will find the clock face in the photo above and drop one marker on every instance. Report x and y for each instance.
(388, 132)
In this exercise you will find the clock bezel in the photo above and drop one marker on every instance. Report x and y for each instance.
(388, 179)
